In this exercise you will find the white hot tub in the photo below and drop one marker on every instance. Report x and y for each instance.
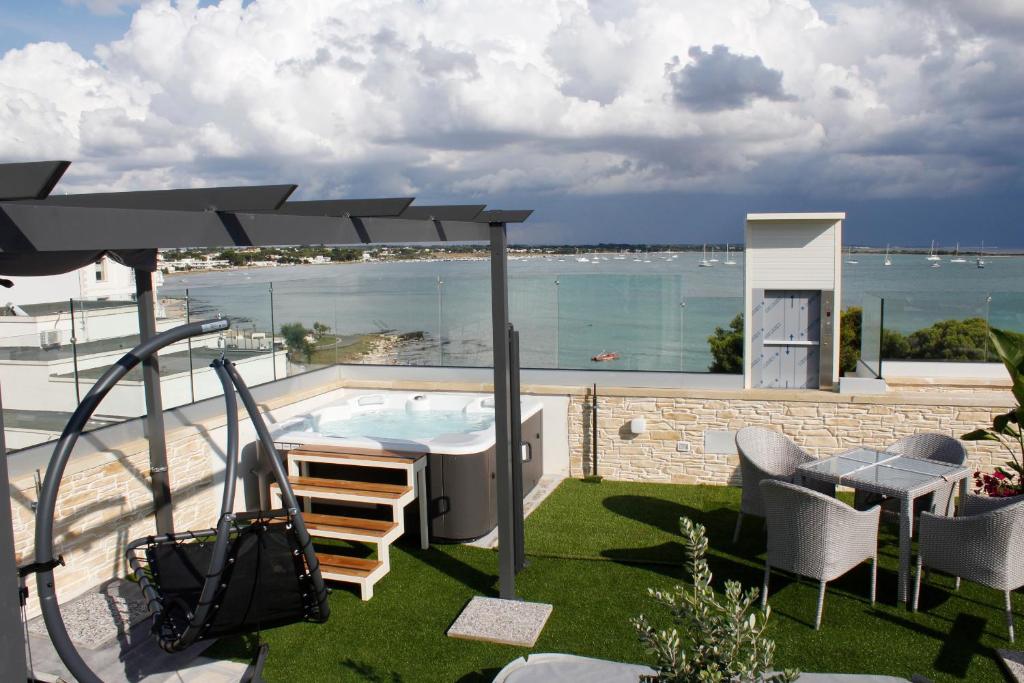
(455, 431)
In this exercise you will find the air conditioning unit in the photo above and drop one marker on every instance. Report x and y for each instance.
(49, 339)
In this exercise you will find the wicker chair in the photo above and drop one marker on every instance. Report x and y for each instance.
(938, 447)
(985, 544)
(813, 535)
(767, 454)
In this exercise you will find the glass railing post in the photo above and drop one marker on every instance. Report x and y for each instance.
(682, 330)
(558, 318)
(988, 323)
(440, 321)
(273, 346)
(74, 350)
(191, 368)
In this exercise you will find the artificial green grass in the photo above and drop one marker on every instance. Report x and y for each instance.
(594, 549)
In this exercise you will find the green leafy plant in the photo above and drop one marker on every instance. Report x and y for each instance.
(1007, 480)
(714, 639)
(727, 347)
(296, 339)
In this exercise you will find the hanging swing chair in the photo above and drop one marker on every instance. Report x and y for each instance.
(255, 570)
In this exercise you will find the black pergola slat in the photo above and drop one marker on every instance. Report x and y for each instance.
(503, 216)
(248, 198)
(40, 227)
(347, 207)
(30, 180)
(453, 212)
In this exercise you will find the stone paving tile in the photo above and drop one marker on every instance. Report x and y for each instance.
(510, 622)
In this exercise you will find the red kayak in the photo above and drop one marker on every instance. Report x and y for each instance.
(605, 356)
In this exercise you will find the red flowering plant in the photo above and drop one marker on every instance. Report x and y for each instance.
(1007, 480)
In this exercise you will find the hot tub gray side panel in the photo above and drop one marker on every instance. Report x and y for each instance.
(462, 492)
(463, 489)
(533, 434)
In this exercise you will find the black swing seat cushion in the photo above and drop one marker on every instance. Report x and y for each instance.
(266, 585)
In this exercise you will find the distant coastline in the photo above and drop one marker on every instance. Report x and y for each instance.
(467, 253)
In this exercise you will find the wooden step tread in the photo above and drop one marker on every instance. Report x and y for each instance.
(377, 528)
(357, 488)
(342, 452)
(343, 564)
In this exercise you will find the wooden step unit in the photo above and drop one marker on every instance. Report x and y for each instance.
(381, 533)
(344, 569)
(343, 490)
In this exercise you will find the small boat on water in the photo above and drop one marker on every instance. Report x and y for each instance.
(957, 258)
(605, 356)
(932, 256)
(980, 261)
(704, 262)
(887, 261)
(850, 259)
(729, 261)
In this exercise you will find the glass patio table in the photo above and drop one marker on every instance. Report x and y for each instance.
(893, 475)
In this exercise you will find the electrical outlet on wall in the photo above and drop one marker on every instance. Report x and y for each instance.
(683, 446)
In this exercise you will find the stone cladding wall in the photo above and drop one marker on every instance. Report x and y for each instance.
(105, 502)
(824, 424)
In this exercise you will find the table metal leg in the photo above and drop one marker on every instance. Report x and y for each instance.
(906, 534)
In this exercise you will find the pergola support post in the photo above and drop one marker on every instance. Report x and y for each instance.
(502, 412)
(12, 633)
(159, 478)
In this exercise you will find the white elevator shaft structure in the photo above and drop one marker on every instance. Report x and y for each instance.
(792, 291)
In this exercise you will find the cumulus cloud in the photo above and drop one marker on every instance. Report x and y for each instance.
(719, 80)
(460, 99)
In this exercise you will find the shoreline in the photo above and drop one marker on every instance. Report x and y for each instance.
(513, 255)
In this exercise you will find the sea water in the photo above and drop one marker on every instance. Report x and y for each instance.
(657, 315)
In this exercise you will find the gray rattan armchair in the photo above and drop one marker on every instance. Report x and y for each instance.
(985, 544)
(813, 535)
(767, 454)
(937, 447)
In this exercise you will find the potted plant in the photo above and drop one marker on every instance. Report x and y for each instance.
(1006, 480)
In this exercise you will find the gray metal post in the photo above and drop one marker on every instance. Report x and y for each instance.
(502, 416)
(273, 347)
(191, 367)
(154, 406)
(517, 449)
(12, 641)
(74, 350)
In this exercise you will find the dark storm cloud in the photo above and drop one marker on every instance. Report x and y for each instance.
(719, 80)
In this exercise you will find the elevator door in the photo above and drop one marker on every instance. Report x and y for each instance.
(790, 336)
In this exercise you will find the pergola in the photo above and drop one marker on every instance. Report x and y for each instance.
(42, 234)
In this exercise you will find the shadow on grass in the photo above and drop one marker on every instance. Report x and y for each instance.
(959, 646)
(485, 676)
(479, 582)
(366, 672)
(657, 512)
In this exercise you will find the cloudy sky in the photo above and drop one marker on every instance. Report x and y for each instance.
(618, 120)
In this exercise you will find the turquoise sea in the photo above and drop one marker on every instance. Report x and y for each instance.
(655, 310)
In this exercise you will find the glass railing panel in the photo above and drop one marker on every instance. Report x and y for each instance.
(872, 320)
(465, 307)
(936, 326)
(704, 318)
(620, 322)
(1006, 311)
(185, 371)
(104, 330)
(533, 310)
(37, 372)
